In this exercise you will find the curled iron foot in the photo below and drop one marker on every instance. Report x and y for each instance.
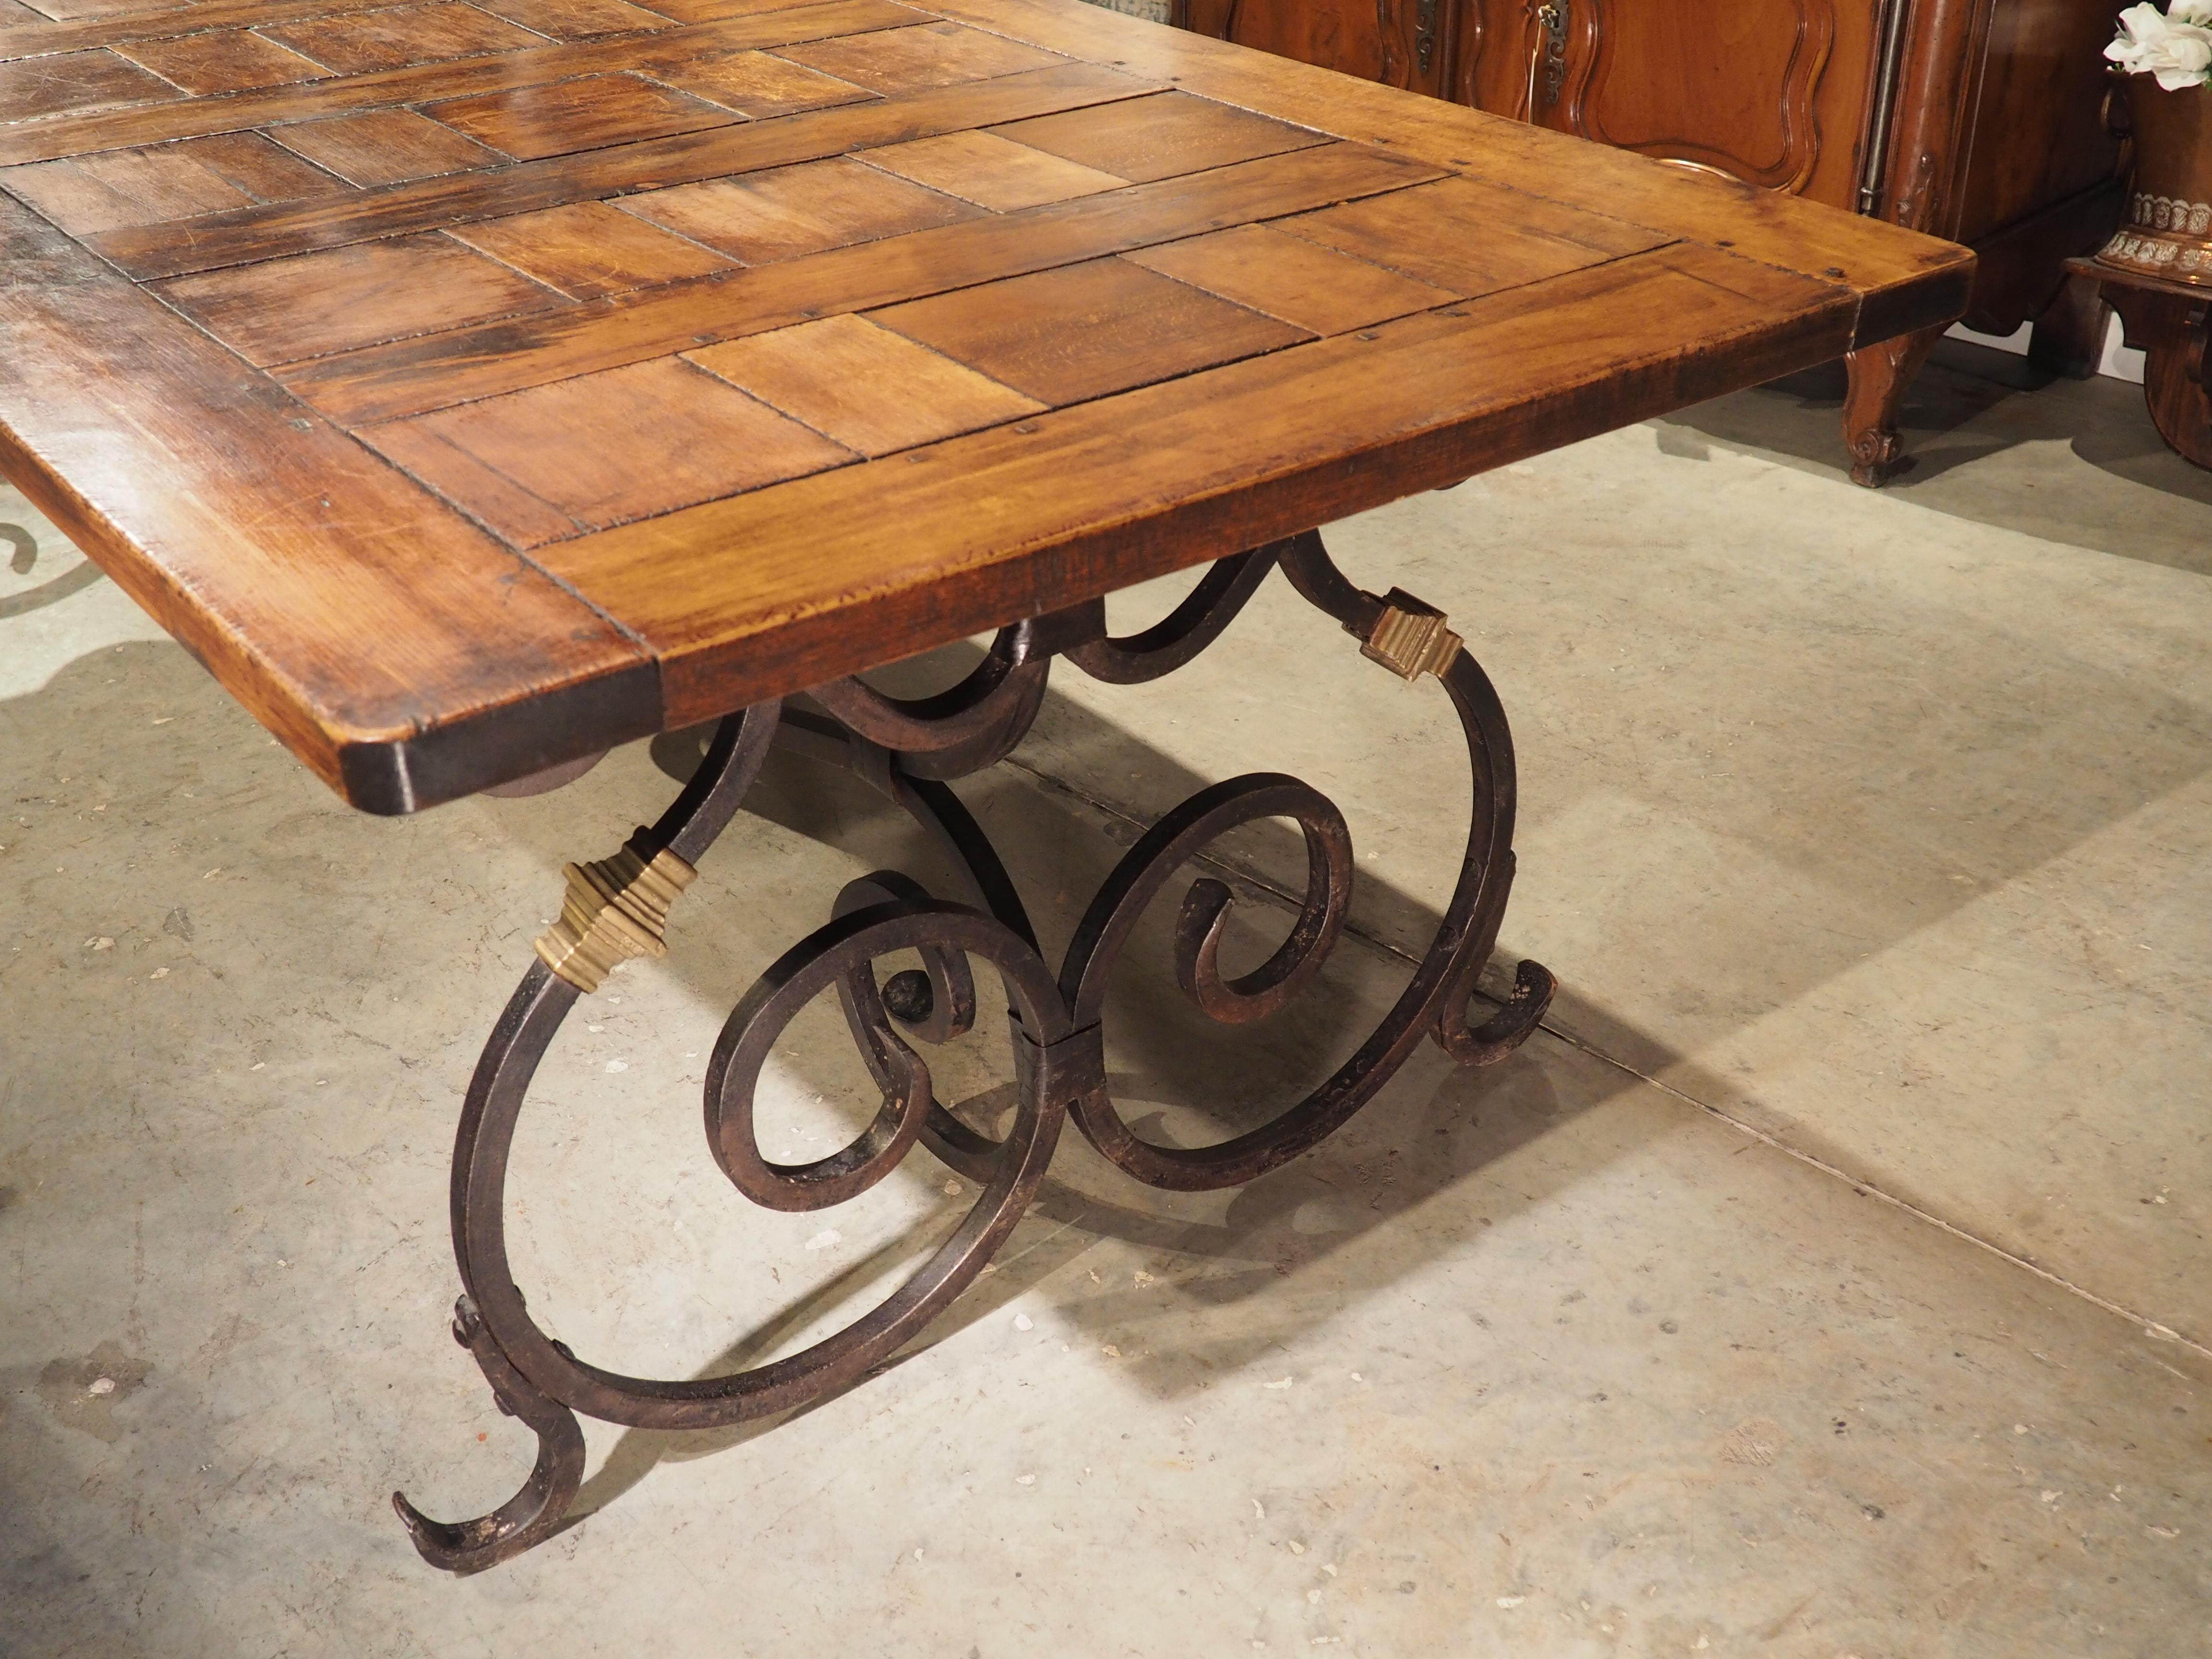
(1534, 987)
(533, 1514)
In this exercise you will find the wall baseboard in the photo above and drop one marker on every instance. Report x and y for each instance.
(2118, 362)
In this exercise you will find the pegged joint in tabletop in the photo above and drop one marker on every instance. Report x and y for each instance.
(470, 399)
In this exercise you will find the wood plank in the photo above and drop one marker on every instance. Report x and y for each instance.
(1905, 281)
(75, 135)
(337, 600)
(13, 16)
(990, 171)
(1085, 330)
(385, 147)
(577, 19)
(39, 38)
(871, 390)
(715, 11)
(429, 373)
(94, 193)
(1287, 276)
(654, 164)
(320, 302)
(588, 112)
(400, 37)
(228, 60)
(70, 10)
(755, 84)
(1020, 519)
(477, 488)
(74, 81)
(605, 448)
(590, 250)
(913, 59)
(760, 217)
(1461, 234)
(1174, 134)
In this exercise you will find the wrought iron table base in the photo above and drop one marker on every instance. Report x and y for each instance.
(907, 749)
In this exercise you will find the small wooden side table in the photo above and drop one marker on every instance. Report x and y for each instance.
(2169, 322)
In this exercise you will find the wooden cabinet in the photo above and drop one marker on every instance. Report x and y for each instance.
(1979, 120)
(1400, 43)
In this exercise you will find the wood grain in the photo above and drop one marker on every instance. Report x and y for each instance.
(338, 602)
(73, 9)
(991, 171)
(73, 135)
(1472, 237)
(400, 37)
(277, 232)
(1905, 285)
(37, 37)
(1316, 288)
(353, 297)
(590, 250)
(588, 112)
(760, 217)
(1172, 134)
(871, 390)
(232, 60)
(715, 11)
(913, 59)
(430, 373)
(478, 442)
(383, 147)
(1065, 335)
(1020, 519)
(74, 81)
(119, 187)
(603, 448)
(577, 19)
(755, 84)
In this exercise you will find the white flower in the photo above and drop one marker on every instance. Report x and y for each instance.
(2177, 49)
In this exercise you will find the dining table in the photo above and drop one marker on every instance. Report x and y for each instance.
(472, 386)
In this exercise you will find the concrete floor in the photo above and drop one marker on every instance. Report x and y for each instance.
(1828, 1279)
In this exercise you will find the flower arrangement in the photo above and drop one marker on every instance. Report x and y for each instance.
(2174, 44)
(2168, 233)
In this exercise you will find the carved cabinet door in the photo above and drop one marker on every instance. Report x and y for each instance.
(1774, 93)
(1400, 43)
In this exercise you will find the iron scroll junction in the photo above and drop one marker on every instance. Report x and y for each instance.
(909, 750)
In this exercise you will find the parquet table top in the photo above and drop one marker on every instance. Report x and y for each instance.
(474, 385)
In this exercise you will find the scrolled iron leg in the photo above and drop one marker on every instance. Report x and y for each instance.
(908, 749)
(533, 1514)
(615, 910)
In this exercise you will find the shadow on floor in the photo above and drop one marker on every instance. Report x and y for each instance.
(1992, 439)
(1288, 1251)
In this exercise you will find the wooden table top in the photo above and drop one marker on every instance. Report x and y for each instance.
(471, 387)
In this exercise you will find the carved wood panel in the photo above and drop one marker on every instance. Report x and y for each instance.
(1400, 43)
(1735, 87)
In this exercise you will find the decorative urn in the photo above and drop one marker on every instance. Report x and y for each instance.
(2168, 232)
